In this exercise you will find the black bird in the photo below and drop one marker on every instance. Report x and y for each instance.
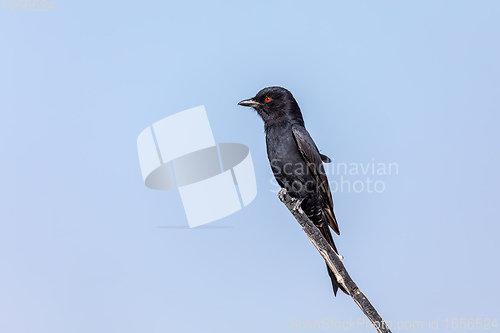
(295, 160)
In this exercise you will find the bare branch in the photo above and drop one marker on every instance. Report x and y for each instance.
(334, 261)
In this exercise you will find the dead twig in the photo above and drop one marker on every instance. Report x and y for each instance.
(334, 261)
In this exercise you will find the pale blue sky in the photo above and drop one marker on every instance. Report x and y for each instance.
(409, 82)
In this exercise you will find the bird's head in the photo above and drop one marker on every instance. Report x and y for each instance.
(272, 103)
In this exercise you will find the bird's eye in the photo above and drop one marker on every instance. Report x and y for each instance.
(267, 99)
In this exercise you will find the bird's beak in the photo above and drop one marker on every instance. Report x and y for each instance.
(249, 102)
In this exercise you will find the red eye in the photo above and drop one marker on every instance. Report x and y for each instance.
(268, 99)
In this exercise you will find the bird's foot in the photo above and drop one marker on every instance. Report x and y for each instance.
(281, 194)
(297, 204)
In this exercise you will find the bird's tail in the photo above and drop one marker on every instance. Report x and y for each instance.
(325, 231)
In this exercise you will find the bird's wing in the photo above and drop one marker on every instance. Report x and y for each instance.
(313, 158)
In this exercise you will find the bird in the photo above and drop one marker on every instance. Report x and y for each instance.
(296, 162)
